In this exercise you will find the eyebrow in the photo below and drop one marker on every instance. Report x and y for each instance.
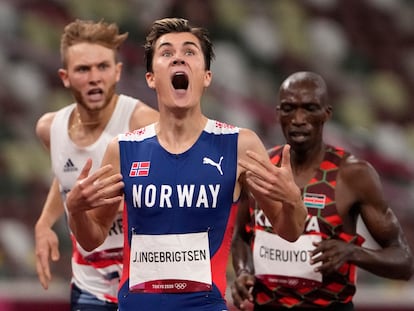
(104, 62)
(184, 44)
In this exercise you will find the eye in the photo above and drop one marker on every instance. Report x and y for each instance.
(166, 53)
(103, 66)
(189, 52)
(286, 108)
(312, 107)
(82, 69)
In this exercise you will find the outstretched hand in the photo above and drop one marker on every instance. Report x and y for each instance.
(276, 192)
(265, 179)
(95, 190)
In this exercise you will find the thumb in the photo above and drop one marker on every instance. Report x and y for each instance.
(85, 170)
(286, 157)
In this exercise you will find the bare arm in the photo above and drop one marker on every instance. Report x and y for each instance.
(242, 257)
(46, 240)
(95, 200)
(53, 208)
(273, 187)
(394, 259)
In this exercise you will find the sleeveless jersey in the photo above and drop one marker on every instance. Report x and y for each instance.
(180, 217)
(323, 221)
(97, 272)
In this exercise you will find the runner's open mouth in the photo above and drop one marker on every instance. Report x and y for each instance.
(180, 81)
(95, 91)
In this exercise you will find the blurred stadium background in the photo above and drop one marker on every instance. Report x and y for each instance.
(364, 49)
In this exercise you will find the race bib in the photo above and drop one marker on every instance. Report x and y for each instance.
(278, 262)
(172, 263)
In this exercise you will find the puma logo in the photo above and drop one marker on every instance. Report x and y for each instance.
(211, 162)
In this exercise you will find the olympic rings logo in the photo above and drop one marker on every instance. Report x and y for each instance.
(180, 286)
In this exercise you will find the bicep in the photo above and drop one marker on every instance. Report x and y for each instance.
(111, 156)
(248, 140)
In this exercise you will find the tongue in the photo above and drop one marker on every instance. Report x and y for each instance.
(95, 96)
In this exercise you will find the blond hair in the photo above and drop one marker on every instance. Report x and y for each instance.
(102, 33)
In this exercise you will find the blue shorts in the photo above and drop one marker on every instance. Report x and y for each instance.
(81, 300)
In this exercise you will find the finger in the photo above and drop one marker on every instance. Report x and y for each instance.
(98, 174)
(250, 293)
(108, 201)
(95, 187)
(247, 165)
(317, 259)
(114, 180)
(85, 170)
(41, 276)
(54, 253)
(106, 191)
(318, 249)
(43, 271)
(264, 163)
(259, 182)
(237, 300)
(285, 162)
(94, 179)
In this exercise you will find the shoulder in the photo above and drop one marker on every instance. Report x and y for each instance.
(139, 134)
(356, 171)
(143, 115)
(248, 139)
(43, 127)
(43, 124)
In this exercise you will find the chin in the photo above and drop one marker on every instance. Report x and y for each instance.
(300, 146)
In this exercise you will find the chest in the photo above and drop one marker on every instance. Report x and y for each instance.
(201, 178)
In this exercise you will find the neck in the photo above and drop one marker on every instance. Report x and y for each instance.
(84, 119)
(177, 136)
(307, 158)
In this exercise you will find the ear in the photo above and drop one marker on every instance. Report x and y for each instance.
(328, 110)
(118, 69)
(63, 74)
(207, 78)
(149, 76)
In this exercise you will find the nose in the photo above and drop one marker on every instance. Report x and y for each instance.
(178, 62)
(94, 75)
(299, 117)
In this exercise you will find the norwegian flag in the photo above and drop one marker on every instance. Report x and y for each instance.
(139, 169)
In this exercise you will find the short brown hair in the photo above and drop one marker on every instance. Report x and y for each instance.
(105, 34)
(169, 25)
